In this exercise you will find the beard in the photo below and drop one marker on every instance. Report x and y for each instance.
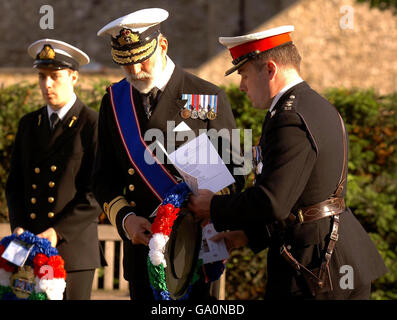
(144, 81)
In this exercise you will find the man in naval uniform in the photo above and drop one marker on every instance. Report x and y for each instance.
(125, 184)
(49, 186)
(296, 206)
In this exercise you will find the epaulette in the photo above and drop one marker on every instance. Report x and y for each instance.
(289, 105)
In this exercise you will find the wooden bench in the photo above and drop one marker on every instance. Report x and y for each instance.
(112, 242)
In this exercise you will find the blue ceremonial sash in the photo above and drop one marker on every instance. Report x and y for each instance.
(154, 175)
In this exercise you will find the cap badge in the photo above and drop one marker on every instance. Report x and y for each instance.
(127, 36)
(47, 53)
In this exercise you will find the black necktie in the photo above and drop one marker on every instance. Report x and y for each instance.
(54, 120)
(149, 101)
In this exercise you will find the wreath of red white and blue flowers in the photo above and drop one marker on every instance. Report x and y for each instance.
(42, 277)
(161, 230)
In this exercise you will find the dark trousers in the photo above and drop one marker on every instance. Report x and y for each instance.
(79, 285)
(362, 292)
(142, 291)
(135, 262)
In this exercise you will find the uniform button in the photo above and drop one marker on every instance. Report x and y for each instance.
(51, 199)
(131, 187)
(53, 168)
(132, 204)
(51, 214)
(34, 187)
(32, 216)
(131, 171)
(51, 184)
(37, 170)
(33, 200)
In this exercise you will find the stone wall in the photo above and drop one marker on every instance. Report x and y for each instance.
(192, 28)
(333, 56)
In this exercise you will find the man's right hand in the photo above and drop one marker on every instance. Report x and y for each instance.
(18, 231)
(233, 239)
(138, 228)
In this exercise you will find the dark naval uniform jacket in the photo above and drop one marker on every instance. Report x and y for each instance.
(302, 151)
(117, 185)
(49, 184)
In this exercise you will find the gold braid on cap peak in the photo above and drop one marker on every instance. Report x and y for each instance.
(127, 53)
(134, 55)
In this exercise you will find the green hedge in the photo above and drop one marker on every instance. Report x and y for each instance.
(372, 191)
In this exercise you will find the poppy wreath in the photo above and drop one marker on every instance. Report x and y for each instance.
(42, 277)
(161, 230)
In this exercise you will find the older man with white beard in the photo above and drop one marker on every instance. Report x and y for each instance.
(154, 92)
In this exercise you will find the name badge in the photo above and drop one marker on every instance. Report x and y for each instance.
(17, 252)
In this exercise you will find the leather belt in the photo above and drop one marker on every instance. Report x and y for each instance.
(321, 210)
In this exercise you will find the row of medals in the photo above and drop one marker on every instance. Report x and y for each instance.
(194, 114)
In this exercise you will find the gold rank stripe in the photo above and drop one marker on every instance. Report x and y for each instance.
(132, 59)
(127, 53)
(114, 207)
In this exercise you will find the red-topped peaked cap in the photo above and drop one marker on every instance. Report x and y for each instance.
(242, 48)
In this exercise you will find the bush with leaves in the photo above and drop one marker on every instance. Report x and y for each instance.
(371, 121)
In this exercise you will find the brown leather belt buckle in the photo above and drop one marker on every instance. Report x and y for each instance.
(328, 208)
(300, 216)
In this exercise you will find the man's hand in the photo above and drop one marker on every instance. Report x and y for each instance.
(138, 228)
(18, 231)
(51, 235)
(233, 239)
(200, 204)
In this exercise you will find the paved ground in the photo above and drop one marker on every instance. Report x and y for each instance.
(110, 295)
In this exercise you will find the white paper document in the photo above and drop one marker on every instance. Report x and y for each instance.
(200, 165)
(212, 251)
(17, 252)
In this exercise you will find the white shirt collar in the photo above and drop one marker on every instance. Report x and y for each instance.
(283, 90)
(161, 81)
(64, 110)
